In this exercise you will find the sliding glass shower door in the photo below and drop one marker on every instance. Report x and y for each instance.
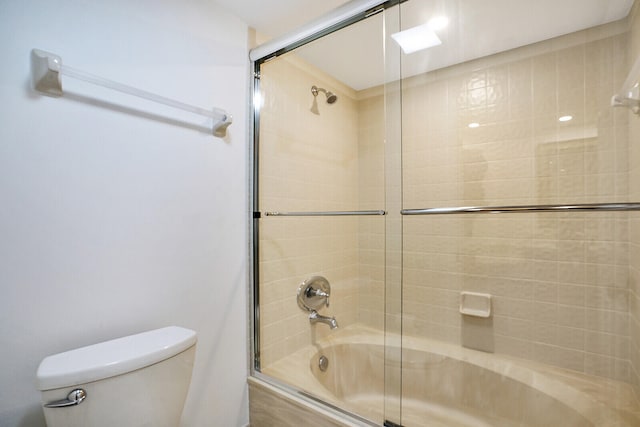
(327, 240)
(519, 247)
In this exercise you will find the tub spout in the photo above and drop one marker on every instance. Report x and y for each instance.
(314, 317)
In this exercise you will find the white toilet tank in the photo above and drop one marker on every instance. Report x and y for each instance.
(136, 381)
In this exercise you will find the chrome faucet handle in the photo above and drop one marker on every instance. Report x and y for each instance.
(313, 293)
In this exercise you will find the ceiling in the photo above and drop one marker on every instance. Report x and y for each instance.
(476, 28)
(273, 18)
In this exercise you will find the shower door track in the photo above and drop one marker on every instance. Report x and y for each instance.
(585, 207)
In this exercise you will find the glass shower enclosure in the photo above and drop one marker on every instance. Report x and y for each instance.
(445, 213)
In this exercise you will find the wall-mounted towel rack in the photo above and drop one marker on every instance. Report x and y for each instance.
(47, 67)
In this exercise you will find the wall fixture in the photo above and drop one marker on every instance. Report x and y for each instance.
(47, 67)
(417, 38)
(629, 95)
(331, 97)
(313, 294)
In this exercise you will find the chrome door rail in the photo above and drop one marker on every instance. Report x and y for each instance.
(587, 207)
(325, 213)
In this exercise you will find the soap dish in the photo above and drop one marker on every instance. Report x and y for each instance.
(475, 304)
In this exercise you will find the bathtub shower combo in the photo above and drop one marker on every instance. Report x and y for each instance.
(446, 216)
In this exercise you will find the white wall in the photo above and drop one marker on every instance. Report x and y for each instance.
(114, 218)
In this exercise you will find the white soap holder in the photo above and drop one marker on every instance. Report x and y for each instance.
(475, 304)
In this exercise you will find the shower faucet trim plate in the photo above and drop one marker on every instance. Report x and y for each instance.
(314, 293)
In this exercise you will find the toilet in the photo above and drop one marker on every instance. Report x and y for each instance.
(135, 381)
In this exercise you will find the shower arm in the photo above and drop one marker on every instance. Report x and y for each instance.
(316, 89)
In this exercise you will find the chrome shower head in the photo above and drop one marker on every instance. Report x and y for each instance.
(331, 97)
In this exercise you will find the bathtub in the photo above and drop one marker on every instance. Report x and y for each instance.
(447, 385)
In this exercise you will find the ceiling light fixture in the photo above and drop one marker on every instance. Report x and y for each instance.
(438, 23)
(565, 118)
(474, 125)
(417, 38)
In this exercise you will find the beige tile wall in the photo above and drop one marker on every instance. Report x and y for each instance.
(634, 219)
(559, 281)
(565, 286)
(308, 162)
(371, 178)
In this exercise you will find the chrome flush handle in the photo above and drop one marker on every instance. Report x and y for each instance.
(76, 397)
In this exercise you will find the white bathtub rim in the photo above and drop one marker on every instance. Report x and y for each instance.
(553, 382)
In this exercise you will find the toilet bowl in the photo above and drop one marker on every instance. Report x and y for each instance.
(135, 381)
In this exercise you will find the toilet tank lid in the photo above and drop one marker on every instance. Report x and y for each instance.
(111, 358)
